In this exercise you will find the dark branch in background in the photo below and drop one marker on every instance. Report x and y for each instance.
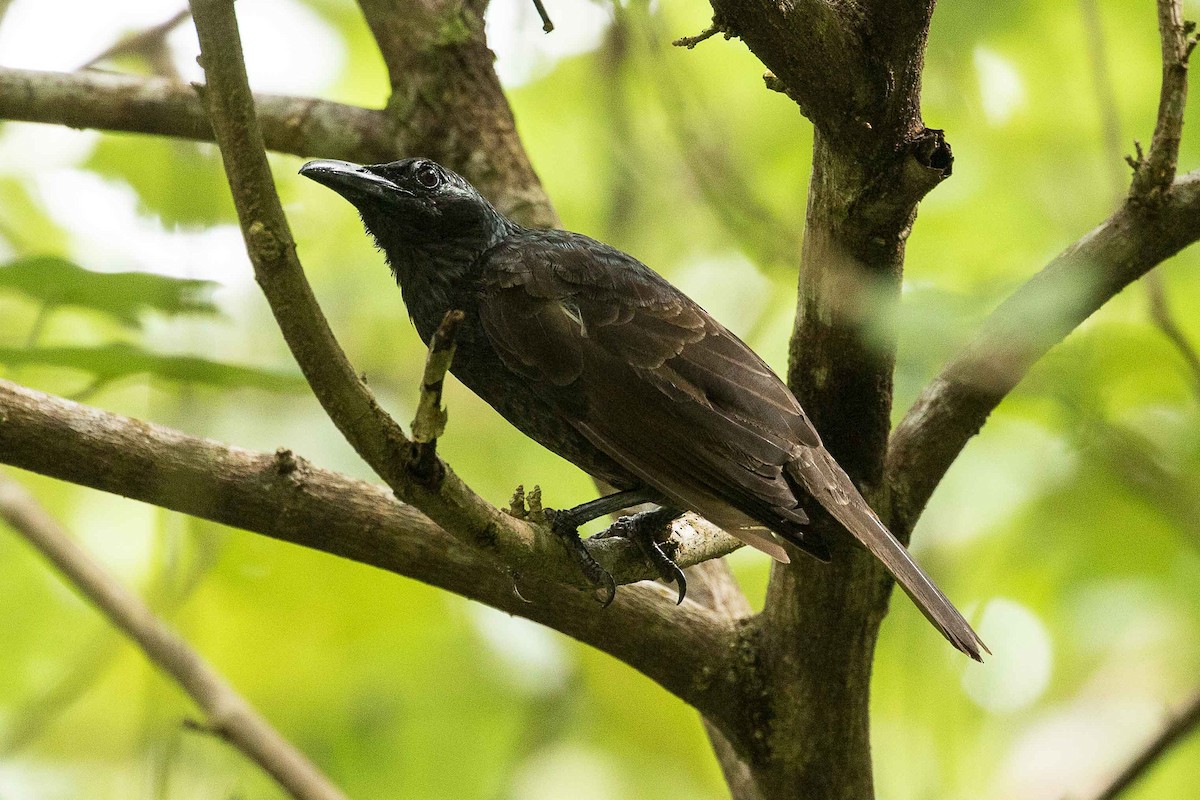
(228, 714)
(1140, 464)
(430, 420)
(1106, 99)
(1160, 218)
(1172, 734)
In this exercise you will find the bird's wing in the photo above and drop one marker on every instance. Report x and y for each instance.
(650, 378)
(654, 381)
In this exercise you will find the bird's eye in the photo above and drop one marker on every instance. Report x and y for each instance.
(428, 176)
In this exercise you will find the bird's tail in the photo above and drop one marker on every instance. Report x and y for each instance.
(815, 469)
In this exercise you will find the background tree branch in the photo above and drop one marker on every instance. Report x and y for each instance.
(1160, 217)
(228, 714)
(301, 126)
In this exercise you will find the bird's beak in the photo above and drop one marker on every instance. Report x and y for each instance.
(352, 181)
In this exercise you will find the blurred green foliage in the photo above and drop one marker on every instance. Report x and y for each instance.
(1069, 526)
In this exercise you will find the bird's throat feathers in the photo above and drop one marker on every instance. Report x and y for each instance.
(433, 263)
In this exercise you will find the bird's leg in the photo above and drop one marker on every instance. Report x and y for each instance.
(566, 525)
(644, 530)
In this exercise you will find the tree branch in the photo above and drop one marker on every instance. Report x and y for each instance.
(301, 126)
(286, 498)
(229, 715)
(1172, 734)
(954, 406)
(1160, 218)
(1155, 173)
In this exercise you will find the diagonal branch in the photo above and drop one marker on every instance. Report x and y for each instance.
(229, 715)
(1135, 239)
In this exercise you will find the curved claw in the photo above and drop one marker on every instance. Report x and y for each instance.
(515, 577)
(680, 581)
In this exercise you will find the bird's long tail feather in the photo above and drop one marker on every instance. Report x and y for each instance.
(815, 469)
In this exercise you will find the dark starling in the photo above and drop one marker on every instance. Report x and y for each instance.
(597, 357)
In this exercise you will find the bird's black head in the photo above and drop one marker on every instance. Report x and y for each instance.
(430, 223)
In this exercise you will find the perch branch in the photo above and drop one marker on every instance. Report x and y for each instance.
(228, 713)
(284, 497)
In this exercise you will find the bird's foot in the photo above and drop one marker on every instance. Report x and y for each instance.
(566, 527)
(644, 530)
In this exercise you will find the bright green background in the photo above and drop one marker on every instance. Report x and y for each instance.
(1070, 529)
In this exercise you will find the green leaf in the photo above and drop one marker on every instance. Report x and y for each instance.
(123, 295)
(181, 182)
(110, 362)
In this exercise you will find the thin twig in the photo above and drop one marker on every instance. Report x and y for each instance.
(1160, 311)
(227, 711)
(1106, 99)
(712, 30)
(1174, 732)
(144, 43)
(430, 420)
(1155, 172)
(547, 25)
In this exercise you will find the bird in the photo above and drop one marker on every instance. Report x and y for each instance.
(595, 356)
